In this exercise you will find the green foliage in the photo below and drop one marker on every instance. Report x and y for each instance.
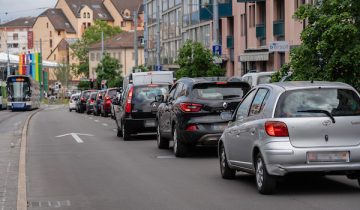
(84, 85)
(330, 48)
(109, 69)
(91, 36)
(63, 74)
(278, 75)
(197, 61)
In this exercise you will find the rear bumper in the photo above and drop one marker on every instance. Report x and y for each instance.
(199, 138)
(140, 125)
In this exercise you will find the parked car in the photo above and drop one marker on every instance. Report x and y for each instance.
(137, 109)
(81, 104)
(105, 104)
(99, 98)
(72, 102)
(293, 127)
(90, 102)
(190, 114)
(254, 78)
(114, 108)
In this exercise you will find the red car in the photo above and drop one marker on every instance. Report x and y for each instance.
(105, 105)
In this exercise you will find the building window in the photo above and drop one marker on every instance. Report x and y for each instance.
(252, 16)
(15, 36)
(88, 25)
(88, 15)
(123, 24)
(59, 33)
(50, 43)
(84, 15)
(298, 3)
(50, 33)
(47, 25)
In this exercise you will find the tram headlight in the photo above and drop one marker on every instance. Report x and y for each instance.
(27, 98)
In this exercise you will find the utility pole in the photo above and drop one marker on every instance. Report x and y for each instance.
(158, 47)
(215, 22)
(102, 49)
(7, 51)
(145, 32)
(135, 39)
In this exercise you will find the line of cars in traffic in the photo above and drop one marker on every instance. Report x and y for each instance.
(269, 130)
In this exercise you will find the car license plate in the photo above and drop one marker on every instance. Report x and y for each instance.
(219, 127)
(315, 157)
(150, 123)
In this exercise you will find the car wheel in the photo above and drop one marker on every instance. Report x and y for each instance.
(106, 114)
(226, 171)
(161, 142)
(125, 134)
(265, 183)
(70, 110)
(180, 150)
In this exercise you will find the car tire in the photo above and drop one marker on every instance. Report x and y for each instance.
(180, 150)
(162, 143)
(70, 110)
(125, 134)
(226, 171)
(266, 184)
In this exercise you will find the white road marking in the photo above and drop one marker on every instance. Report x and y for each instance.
(96, 120)
(114, 130)
(90, 118)
(166, 157)
(75, 136)
(104, 124)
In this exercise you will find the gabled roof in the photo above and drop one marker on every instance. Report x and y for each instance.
(26, 22)
(122, 40)
(58, 20)
(99, 10)
(132, 5)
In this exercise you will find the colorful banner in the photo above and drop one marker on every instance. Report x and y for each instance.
(30, 64)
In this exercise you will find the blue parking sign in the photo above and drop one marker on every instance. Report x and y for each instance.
(216, 49)
(158, 68)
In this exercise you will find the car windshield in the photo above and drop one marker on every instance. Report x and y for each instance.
(305, 103)
(148, 93)
(112, 93)
(264, 79)
(214, 91)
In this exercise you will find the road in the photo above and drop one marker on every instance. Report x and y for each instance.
(10, 133)
(104, 172)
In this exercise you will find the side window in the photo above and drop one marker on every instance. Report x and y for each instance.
(172, 92)
(259, 101)
(244, 107)
(183, 90)
(178, 90)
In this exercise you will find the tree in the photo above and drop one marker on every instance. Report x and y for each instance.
(330, 48)
(90, 36)
(197, 61)
(63, 74)
(109, 70)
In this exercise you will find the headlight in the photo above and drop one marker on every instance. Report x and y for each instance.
(27, 98)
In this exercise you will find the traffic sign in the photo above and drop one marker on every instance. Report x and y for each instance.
(216, 49)
(158, 68)
(279, 46)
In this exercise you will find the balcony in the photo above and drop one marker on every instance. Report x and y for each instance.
(261, 31)
(225, 10)
(278, 27)
(230, 42)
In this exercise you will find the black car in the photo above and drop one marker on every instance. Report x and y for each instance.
(81, 104)
(190, 114)
(98, 101)
(136, 111)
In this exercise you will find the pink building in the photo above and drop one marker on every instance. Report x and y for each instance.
(262, 32)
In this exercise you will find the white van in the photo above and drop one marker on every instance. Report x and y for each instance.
(151, 77)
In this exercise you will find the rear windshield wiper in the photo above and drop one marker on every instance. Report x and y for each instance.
(319, 111)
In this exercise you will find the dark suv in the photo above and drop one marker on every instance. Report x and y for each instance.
(81, 104)
(190, 114)
(137, 109)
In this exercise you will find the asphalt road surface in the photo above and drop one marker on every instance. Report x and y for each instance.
(10, 133)
(101, 171)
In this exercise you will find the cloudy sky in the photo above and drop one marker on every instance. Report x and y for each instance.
(22, 8)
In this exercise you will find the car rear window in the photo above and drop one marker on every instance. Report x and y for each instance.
(338, 102)
(264, 79)
(148, 93)
(112, 93)
(220, 91)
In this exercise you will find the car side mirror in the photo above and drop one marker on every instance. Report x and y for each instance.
(160, 98)
(226, 116)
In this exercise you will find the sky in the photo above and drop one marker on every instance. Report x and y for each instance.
(22, 8)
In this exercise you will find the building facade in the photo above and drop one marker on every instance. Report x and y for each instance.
(120, 47)
(17, 36)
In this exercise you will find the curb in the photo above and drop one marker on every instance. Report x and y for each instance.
(21, 195)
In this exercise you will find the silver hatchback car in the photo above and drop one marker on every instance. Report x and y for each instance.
(293, 127)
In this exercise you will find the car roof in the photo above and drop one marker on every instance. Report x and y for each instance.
(294, 85)
(259, 73)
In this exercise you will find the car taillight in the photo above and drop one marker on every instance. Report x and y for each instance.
(276, 129)
(128, 100)
(192, 127)
(92, 100)
(190, 107)
(107, 98)
(82, 99)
